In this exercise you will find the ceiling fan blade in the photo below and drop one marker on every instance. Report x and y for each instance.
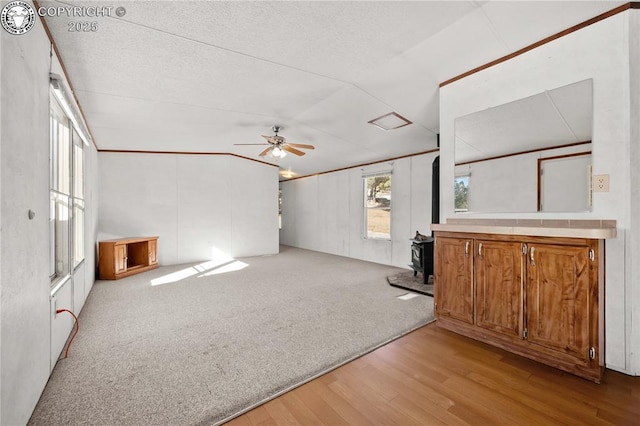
(251, 144)
(300, 145)
(266, 151)
(292, 150)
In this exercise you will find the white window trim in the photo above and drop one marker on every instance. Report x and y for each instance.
(59, 279)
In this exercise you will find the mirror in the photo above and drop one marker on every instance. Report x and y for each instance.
(533, 154)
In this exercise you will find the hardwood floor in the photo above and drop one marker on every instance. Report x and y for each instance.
(433, 376)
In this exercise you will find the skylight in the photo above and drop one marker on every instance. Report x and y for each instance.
(390, 121)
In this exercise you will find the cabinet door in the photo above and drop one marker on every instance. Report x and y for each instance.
(558, 300)
(120, 258)
(498, 270)
(453, 278)
(153, 252)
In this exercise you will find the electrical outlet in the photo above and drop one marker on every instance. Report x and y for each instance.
(600, 183)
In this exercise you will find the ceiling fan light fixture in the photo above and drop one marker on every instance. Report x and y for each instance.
(390, 121)
(278, 146)
(288, 174)
(278, 152)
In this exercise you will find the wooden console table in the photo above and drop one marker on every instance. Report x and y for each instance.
(122, 257)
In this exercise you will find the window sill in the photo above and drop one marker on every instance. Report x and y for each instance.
(59, 283)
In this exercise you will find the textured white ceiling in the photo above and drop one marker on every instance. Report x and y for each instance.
(205, 75)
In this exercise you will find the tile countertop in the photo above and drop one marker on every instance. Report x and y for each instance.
(594, 229)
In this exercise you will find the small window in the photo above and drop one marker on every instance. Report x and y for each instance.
(377, 206)
(462, 193)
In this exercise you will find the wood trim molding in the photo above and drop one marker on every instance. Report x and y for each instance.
(555, 157)
(66, 74)
(125, 151)
(132, 151)
(524, 152)
(612, 12)
(362, 165)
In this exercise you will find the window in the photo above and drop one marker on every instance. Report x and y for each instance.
(66, 194)
(78, 199)
(377, 206)
(462, 193)
(60, 192)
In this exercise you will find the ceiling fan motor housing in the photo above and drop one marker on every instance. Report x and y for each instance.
(279, 144)
(278, 140)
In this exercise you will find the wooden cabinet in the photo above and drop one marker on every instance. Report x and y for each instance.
(119, 258)
(535, 296)
(126, 256)
(453, 269)
(498, 286)
(153, 252)
(558, 300)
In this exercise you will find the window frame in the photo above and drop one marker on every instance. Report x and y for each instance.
(59, 191)
(367, 234)
(77, 200)
(67, 195)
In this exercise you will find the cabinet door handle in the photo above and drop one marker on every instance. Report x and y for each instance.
(531, 256)
(480, 250)
(466, 248)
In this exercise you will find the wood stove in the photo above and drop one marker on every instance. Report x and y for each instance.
(422, 257)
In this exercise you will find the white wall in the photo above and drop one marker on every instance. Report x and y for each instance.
(31, 335)
(194, 203)
(633, 289)
(1, 138)
(325, 212)
(91, 217)
(24, 173)
(599, 51)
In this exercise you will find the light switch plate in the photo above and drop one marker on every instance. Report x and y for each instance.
(600, 183)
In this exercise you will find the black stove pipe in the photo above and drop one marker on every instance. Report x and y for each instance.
(435, 188)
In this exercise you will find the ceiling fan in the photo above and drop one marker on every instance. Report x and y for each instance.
(279, 146)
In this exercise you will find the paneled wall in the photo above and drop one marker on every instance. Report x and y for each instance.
(196, 204)
(633, 251)
(32, 335)
(600, 51)
(325, 212)
(24, 172)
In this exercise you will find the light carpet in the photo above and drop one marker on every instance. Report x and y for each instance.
(207, 347)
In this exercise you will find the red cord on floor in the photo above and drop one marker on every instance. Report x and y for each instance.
(77, 326)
